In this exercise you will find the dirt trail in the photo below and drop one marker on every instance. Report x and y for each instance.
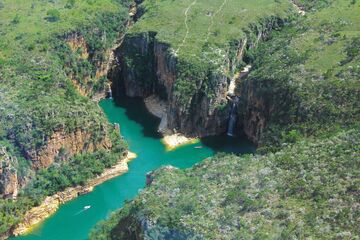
(212, 19)
(186, 25)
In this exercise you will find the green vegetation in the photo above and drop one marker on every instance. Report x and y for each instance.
(304, 181)
(53, 15)
(65, 172)
(308, 74)
(75, 171)
(210, 24)
(313, 5)
(203, 38)
(38, 98)
(308, 190)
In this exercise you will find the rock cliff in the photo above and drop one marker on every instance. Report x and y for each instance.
(92, 84)
(253, 110)
(62, 143)
(8, 175)
(147, 67)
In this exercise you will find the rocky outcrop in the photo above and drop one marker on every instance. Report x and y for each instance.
(81, 50)
(8, 175)
(50, 205)
(156, 106)
(253, 111)
(150, 176)
(61, 143)
(146, 68)
(300, 9)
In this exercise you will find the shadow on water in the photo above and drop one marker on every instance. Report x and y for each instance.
(224, 143)
(137, 111)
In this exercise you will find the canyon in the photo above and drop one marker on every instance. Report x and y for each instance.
(146, 68)
(201, 81)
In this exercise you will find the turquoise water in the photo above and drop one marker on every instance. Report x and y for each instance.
(138, 127)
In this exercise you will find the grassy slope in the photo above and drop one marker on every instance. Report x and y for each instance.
(218, 21)
(33, 30)
(338, 21)
(310, 72)
(37, 98)
(209, 39)
(308, 188)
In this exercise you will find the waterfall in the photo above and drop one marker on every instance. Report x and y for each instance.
(110, 93)
(233, 117)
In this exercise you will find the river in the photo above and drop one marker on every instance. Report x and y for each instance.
(138, 127)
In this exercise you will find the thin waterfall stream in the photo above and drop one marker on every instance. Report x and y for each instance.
(233, 117)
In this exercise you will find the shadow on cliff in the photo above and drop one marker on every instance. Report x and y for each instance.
(136, 111)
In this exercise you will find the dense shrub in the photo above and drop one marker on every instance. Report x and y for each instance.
(306, 190)
(53, 15)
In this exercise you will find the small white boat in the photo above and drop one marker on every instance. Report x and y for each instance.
(87, 207)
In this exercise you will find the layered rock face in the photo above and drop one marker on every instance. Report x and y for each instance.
(8, 175)
(59, 147)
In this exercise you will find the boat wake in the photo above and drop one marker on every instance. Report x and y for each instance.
(83, 210)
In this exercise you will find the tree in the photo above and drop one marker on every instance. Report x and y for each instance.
(16, 19)
(70, 3)
(53, 15)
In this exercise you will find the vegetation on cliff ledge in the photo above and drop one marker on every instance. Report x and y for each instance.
(307, 76)
(204, 38)
(38, 70)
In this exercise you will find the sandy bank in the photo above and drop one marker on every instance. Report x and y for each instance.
(157, 107)
(51, 204)
(176, 140)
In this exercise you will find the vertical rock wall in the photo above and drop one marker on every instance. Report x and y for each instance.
(8, 175)
(147, 67)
